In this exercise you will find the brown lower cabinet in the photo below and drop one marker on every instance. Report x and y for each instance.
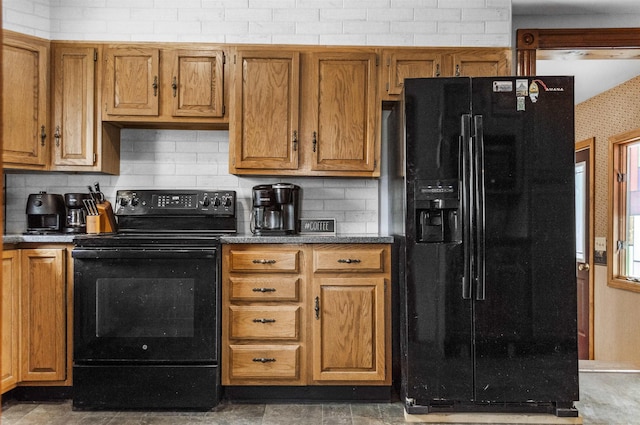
(36, 314)
(308, 314)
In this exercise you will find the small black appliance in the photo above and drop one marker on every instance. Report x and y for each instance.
(76, 214)
(276, 209)
(45, 213)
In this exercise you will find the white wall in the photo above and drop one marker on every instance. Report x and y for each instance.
(185, 159)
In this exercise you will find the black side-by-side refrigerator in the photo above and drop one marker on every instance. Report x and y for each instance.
(488, 320)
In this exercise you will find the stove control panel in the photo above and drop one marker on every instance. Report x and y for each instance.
(176, 202)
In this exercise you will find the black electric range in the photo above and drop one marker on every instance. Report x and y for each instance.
(147, 303)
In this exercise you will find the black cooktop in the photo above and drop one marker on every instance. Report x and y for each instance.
(159, 218)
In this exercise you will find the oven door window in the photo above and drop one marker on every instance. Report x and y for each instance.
(145, 308)
(149, 306)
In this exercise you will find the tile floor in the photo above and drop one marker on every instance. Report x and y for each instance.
(606, 398)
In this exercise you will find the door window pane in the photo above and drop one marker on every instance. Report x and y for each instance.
(624, 211)
(581, 187)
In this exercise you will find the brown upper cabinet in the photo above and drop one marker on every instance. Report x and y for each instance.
(264, 125)
(25, 97)
(80, 142)
(57, 129)
(181, 84)
(305, 112)
(410, 62)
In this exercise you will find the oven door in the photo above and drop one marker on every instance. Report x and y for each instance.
(145, 305)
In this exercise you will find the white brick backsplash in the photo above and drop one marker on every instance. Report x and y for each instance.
(392, 15)
(435, 15)
(343, 14)
(296, 15)
(233, 21)
(357, 27)
(414, 27)
(247, 15)
(460, 28)
(486, 15)
(199, 159)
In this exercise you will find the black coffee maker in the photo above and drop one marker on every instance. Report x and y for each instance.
(76, 219)
(276, 209)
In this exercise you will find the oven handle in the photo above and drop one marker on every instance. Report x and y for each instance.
(172, 253)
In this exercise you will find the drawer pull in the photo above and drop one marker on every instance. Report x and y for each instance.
(264, 289)
(263, 360)
(348, 260)
(317, 308)
(263, 261)
(264, 320)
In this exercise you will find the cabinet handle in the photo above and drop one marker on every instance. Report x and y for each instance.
(56, 135)
(437, 70)
(348, 260)
(264, 289)
(174, 86)
(315, 140)
(264, 320)
(263, 360)
(295, 140)
(155, 85)
(317, 308)
(457, 70)
(43, 135)
(264, 261)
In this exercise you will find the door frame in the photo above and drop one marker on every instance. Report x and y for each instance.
(529, 41)
(590, 144)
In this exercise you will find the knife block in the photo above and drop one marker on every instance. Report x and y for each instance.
(104, 222)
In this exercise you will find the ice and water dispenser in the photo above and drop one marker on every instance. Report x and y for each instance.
(438, 217)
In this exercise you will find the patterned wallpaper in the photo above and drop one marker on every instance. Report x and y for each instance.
(610, 113)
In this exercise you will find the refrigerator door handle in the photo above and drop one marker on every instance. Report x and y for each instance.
(479, 195)
(467, 203)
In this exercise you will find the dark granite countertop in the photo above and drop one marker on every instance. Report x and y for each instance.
(65, 238)
(300, 239)
(228, 239)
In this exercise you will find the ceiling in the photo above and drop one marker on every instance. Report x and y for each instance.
(592, 76)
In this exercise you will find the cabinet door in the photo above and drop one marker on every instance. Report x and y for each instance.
(43, 310)
(24, 101)
(196, 83)
(342, 119)
(10, 319)
(409, 64)
(131, 81)
(264, 124)
(349, 329)
(480, 63)
(74, 105)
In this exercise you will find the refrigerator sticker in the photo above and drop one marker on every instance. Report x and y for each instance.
(502, 86)
(520, 106)
(521, 87)
(534, 91)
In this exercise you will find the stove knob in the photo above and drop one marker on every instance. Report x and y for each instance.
(206, 201)
(134, 201)
(124, 202)
(227, 202)
(216, 202)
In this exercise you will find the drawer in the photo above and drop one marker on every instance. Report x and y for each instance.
(351, 260)
(264, 361)
(264, 322)
(271, 288)
(264, 261)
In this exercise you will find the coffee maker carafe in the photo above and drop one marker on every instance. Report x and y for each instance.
(76, 212)
(276, 209)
